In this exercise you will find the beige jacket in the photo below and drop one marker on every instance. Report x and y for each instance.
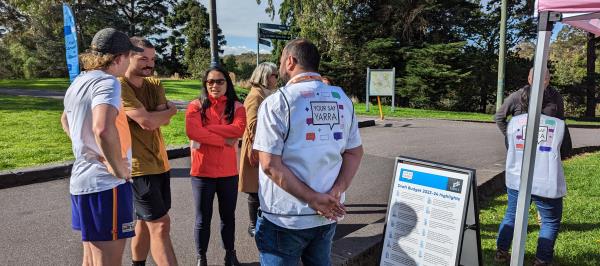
(248, 174)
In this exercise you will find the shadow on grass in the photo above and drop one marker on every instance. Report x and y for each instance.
(41, 84)
(24, 103)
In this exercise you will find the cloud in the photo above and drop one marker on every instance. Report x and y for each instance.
(240, 17)
(240, 49)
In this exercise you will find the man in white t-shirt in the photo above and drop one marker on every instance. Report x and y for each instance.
(309, 151)
(94, 119)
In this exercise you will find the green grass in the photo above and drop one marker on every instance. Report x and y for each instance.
(360, 109)
(578, 242)
(31, 132)
(55, 84)
(189, 89)
(182, 90)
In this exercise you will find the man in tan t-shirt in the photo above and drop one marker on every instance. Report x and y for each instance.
(147, 110)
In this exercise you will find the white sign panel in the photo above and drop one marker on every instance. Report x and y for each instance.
(325, 113)
(381, 82)
(426, 216)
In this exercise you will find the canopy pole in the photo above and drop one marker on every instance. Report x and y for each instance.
(545, 25)
(501, 57)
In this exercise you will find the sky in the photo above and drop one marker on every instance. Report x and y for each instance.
(238, 19)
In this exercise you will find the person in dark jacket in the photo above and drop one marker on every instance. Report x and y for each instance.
(517, 103)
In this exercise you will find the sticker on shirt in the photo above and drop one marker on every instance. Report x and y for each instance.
(545, 136)
(307, 94)
(338, 135)
(542, 134)
(325, 113)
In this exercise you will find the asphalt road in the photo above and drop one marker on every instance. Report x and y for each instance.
(35, 219)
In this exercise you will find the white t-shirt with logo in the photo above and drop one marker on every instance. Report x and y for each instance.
(89, 89)
(548, 175)
(319, 123)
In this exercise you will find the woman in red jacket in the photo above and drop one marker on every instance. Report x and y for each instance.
(214, 123)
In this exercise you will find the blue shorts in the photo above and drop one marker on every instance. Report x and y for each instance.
(105, 215)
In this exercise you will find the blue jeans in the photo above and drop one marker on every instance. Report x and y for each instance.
(551, 212)
(282, 246)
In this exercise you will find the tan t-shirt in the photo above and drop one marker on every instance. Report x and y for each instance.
(149, 153)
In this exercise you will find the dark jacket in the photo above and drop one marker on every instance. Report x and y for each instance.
(517, 103)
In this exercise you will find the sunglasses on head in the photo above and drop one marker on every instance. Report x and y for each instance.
(217, 81)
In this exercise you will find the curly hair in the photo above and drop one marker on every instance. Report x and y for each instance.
(92, 60)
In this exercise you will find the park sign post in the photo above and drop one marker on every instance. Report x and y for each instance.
(380, 82)
(72, 51)
(265, 32)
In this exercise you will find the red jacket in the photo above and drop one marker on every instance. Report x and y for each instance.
(214, 158)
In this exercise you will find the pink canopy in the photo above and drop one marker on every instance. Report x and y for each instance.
(582, 14)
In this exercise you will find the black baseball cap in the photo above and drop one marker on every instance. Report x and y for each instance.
(112, 41)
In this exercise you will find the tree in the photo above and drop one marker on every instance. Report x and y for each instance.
(355, 34)
(430, 75)
(244, 71)
(567, 62)
(33, 38)
(190, 42)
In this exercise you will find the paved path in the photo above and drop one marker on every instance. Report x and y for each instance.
(59, 95)
(34, 93)
(35, 218)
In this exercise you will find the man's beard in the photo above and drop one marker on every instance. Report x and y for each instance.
(140, 73)
(284, 77)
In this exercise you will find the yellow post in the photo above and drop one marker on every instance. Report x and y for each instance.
(380, 109)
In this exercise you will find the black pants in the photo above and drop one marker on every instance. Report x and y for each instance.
(204, 190)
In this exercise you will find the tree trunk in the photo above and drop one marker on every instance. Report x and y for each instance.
(590, 109)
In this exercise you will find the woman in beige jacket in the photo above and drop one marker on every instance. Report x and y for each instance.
(264, 81)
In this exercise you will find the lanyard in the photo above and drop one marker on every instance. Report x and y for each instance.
(304, 79)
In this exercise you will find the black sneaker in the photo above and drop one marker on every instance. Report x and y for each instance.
(252, 231)
(502, 256)
(202, 261)
(538, 262)
(231, 258)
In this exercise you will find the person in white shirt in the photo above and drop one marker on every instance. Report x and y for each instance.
(548, 187)
(309, 151)
(94, 119)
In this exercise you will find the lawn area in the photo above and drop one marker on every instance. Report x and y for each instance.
(189, 89)
(183, 90)
(578, 242)
(360, 109)
(32, 135)
(31, 132)
(55, 84)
